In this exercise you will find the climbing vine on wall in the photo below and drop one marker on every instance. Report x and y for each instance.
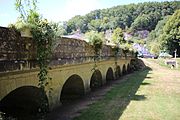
(43, 34)
(96, 42)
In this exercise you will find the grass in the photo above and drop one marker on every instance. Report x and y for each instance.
(160, 61)
(145, 95)
(178, 61)
(116, 100)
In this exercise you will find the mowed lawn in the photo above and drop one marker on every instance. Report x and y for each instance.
(150, 94)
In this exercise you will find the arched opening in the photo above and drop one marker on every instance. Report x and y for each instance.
(128, 69)
(124, 69)
(96, 80)
(109, 74)
(24, 102)
(118, 72)
(132, 65)
(72, 89)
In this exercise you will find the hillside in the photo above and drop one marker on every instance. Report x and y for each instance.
(142, 16)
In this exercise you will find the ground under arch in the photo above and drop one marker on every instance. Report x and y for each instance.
(109, 74)
(96, 80)
(25, 101)
(72, 89)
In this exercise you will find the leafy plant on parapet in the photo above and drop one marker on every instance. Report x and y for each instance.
(118, 39)
(96, 40)
(44, 35)
(127, 48)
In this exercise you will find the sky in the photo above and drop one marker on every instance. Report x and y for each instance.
(60, 10)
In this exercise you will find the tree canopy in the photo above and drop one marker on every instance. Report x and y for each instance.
(142, 16)
(118, 36)
(171, 33)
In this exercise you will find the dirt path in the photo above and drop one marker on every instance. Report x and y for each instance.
(69, 111)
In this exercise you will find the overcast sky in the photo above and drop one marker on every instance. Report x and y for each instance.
(60, 10)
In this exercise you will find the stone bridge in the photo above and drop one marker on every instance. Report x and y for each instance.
(73, 73)
(67, 81)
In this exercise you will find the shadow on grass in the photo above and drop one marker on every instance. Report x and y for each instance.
(145, 83)
(148, 77)
(134, 81)
(138, 97)
(117, 99)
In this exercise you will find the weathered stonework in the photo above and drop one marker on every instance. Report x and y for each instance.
(19, 53)
(72, 60)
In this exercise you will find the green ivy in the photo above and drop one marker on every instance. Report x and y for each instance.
(43, 34)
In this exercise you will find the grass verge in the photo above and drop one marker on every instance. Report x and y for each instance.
(144, 95)
(116, 100)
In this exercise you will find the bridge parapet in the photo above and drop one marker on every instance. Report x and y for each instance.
(19, 53)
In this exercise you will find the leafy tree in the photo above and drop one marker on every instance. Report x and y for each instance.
(95, 39)
(137, 16)
(58, 28)
(171, 33)
(118, 36)
(146, 21)
(154, 42)
(155, 47)
(95, 25)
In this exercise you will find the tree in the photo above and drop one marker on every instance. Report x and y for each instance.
(138, 16)
(154, 42)
(118, 36)
(95, 39)
(58, 28)
(95, 25)
(171, 33)
(146, 21)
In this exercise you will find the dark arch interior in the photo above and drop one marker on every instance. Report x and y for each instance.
(96, 80)
(128, 68)
(109, 74)
(132, 65)
(25, 101)
(72, 89)
(118, 72)
(124, 69)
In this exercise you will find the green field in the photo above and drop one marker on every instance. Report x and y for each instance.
(150, 94)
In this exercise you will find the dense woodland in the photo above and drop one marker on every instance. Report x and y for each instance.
(150, 16)
(142, 16)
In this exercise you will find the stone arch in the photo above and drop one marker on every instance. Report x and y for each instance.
(73, 88)
(128, 68)
(132, 65)
(25, 101)
(118, 72)
(96, 80)
(124, 69)
(109, 74)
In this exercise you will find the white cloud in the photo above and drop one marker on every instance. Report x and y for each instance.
(70, 9)
(78, 7)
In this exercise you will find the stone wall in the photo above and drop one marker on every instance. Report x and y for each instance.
(69, 50)
(18, 52)
(15, 50)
